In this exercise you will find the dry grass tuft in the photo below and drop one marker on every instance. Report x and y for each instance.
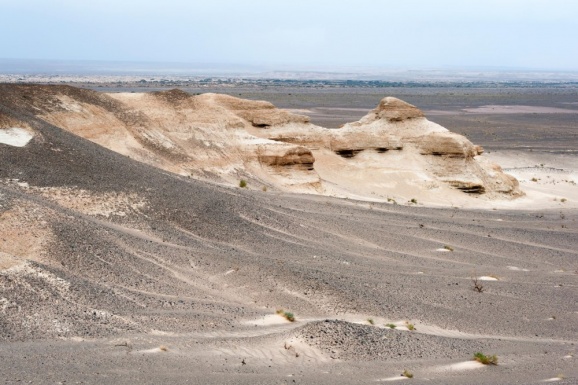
(477, 285)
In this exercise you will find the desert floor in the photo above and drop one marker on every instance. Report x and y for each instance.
(348, 270)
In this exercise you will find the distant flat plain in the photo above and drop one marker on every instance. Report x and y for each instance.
(536, 118)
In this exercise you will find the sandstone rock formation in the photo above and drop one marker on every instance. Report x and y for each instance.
(393, 152)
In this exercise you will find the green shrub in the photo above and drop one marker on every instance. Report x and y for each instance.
(289, 316)
(486, 360)
(286, 314)
(242, 183)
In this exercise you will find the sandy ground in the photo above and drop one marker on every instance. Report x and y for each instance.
(548, 180)
(185, 285)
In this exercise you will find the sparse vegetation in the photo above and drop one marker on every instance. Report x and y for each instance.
(407, 373)
(486, 360)
(391, 326)
(290, 347)
(410, 326)
(264, 188)
(286, 314)
(391, 200)
(163, 348)
(371, 321)
(242, 183)
(563, 200)
(534, 179)
(449, 248)
(289, 316)
(477, 285)
(413, 200)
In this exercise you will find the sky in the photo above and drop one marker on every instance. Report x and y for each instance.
(291, 34)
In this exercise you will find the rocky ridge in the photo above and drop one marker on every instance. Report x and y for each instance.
(392, 152)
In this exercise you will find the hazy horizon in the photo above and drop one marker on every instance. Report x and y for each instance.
(30, 70)
(531, 35)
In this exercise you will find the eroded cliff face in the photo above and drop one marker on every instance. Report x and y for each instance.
(393, 152)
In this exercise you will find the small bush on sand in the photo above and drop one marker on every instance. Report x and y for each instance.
(449, 248)
(289, 316)
(391, 326)
(486, 360)
(371, 321)
(410, 326)
(286, 314)
(477, 285)
(407, 373)
(242, 183)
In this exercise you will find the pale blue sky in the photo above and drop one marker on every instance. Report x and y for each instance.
(541, 34)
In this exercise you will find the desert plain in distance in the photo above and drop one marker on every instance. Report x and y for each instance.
(185, 285)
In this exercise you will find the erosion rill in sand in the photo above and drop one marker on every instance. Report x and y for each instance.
(393, 152)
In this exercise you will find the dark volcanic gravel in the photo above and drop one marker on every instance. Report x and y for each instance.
(349, 341)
